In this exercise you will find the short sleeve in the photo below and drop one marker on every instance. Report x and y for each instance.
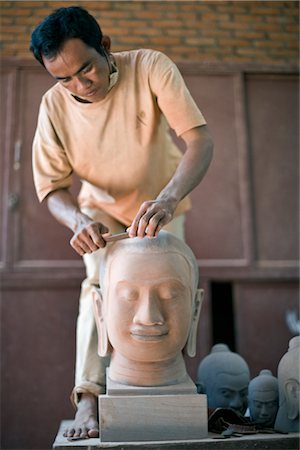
(173, 96)
(51, 167)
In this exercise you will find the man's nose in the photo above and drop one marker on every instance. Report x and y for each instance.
(149, 312)
(81, 84)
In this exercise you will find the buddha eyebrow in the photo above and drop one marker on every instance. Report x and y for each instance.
(84, 65)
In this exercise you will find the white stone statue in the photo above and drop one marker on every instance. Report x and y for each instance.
(287, 419)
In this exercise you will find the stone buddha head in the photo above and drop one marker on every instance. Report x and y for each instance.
(263, 398)
(224, 377)
(287, 419)
(147, 309)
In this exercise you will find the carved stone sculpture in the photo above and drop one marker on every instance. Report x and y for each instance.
(224, 377)
(263, 399)
(287, 419)
(147, 312)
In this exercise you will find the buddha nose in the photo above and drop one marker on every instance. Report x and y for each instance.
(236, 402)
(149, 312)
(264, 410)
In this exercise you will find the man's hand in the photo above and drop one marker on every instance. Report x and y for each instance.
(151, 217)
(88, 238)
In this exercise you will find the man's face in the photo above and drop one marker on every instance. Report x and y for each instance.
(81, 70)
(148, 305)
(229, 391)
(263, 407)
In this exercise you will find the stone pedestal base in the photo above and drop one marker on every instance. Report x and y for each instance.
(164, 413)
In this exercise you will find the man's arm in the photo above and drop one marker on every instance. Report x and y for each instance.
(87, 233)
(154, 214)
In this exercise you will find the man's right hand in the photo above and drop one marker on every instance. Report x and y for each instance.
(88, 238)
(87, 233)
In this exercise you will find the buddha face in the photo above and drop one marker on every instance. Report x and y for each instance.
(147, 305)
(263, 406)
(228, 391)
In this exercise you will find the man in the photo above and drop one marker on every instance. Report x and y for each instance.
(224, 377)
(148, 309)
(107, 120)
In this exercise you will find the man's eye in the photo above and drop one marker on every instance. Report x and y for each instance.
(87, 68)
(65, 80)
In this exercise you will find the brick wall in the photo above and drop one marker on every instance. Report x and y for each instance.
(264, 32)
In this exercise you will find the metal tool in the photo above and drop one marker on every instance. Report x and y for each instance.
(116, 237)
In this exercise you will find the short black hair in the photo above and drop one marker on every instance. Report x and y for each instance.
(63, 24)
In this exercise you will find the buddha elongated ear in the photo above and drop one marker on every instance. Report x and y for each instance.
(291, 388)
(100, 322)
(192, 339)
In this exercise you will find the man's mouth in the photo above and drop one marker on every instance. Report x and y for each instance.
(91, 94)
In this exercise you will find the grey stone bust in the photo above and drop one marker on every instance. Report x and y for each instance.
(224, 377)
(287, 419)
(263, 399)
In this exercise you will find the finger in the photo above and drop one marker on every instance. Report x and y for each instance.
(80, 246)
(76, 247)
(144, 223)
(86, 238)
(97, 239)
(155, 224)
(133, 229)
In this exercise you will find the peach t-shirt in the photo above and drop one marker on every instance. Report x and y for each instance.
(120, 147)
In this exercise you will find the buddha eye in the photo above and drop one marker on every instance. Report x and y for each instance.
(226, 393)
(257, 404)
(128, 294)
(170, 291)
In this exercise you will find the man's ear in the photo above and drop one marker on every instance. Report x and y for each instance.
(100, 322)
(291, 388)
(106, 42)
(192, 339)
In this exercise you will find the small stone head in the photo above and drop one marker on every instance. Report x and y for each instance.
(263, 399)
(224, 377)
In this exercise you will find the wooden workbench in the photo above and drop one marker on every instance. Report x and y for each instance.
(250, 442)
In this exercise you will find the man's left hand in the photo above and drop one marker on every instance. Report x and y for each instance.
(151, 217)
